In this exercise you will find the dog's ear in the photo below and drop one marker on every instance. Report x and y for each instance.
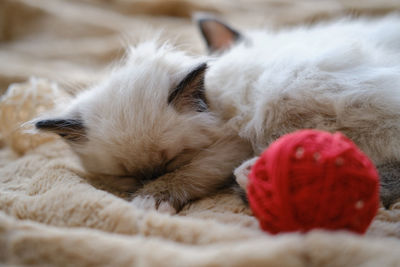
(69, 129)
(217, 34)
(189, 94)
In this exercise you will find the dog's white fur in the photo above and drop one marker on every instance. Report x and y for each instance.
(342, 76)
(131, 130)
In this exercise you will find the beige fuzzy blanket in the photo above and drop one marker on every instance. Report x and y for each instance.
(50, 214)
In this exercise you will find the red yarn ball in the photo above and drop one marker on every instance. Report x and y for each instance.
(313, 179)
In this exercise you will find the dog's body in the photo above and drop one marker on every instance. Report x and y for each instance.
(337, 77)
(180, 125)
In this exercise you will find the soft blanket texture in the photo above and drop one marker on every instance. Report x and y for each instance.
(51, 214)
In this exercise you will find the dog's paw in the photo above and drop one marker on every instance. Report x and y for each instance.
(242, 172)
(150, 203)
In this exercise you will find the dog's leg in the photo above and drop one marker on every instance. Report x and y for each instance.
(242, 172)
(390, 183)
(210, 170)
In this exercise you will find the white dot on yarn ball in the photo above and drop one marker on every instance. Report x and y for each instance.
(299, 152)
(339, 161)
(359, 204)
(317, 156)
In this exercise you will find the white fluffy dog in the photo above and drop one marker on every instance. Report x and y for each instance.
(180, 125)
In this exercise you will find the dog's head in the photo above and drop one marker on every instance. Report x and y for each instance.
(150, 116)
